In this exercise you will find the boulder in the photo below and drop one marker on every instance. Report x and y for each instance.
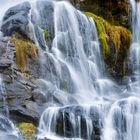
(16, 19)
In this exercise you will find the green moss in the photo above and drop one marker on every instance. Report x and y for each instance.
(115, 43)
(107, 32)
(28, 130)
(25, 48)
(59, 127)
(46, 34)
(27, 75)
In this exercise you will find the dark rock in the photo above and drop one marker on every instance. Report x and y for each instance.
(67, 116)
(24, 115)
(117, 11)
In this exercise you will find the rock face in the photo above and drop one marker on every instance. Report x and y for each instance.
(26, 95)
(16, 19)
(18, 88)
(114, 11)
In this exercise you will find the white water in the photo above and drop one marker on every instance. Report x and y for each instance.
(76, 48)
(135, 48)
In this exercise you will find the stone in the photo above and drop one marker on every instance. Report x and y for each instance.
(16, 19)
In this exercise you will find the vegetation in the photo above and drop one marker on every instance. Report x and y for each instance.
(119, 35)
(114, 11)
(27, 129)
(46, 34)
(116, 38)
(25, 49)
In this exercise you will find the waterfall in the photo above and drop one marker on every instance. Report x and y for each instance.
(84, 104)
(76, 47)
(135, 47)
(123, 120)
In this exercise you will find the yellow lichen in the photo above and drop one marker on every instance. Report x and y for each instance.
(119, 35)
(28, 130)
(24, 49)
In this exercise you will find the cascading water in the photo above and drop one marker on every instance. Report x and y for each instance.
(135, 48)
(123, 121)
(76, 47)
(85, 104)
(8, 130)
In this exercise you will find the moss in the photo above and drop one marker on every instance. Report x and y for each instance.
(27, 129)
(46, 34)
(114, 11)
(25, 49)
(115, 43)
(27, 75)
(59, 127)
(107, 32)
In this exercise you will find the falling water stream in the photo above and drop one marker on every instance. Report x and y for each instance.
(90, 105)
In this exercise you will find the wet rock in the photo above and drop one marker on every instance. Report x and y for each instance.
(73, 121)
(16, 19)
(5, 63)
(23, 104)
(46, 11)
(38, 96)
(21, 114)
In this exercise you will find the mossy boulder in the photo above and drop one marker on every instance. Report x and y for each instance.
(28, 130)
(115, 42)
